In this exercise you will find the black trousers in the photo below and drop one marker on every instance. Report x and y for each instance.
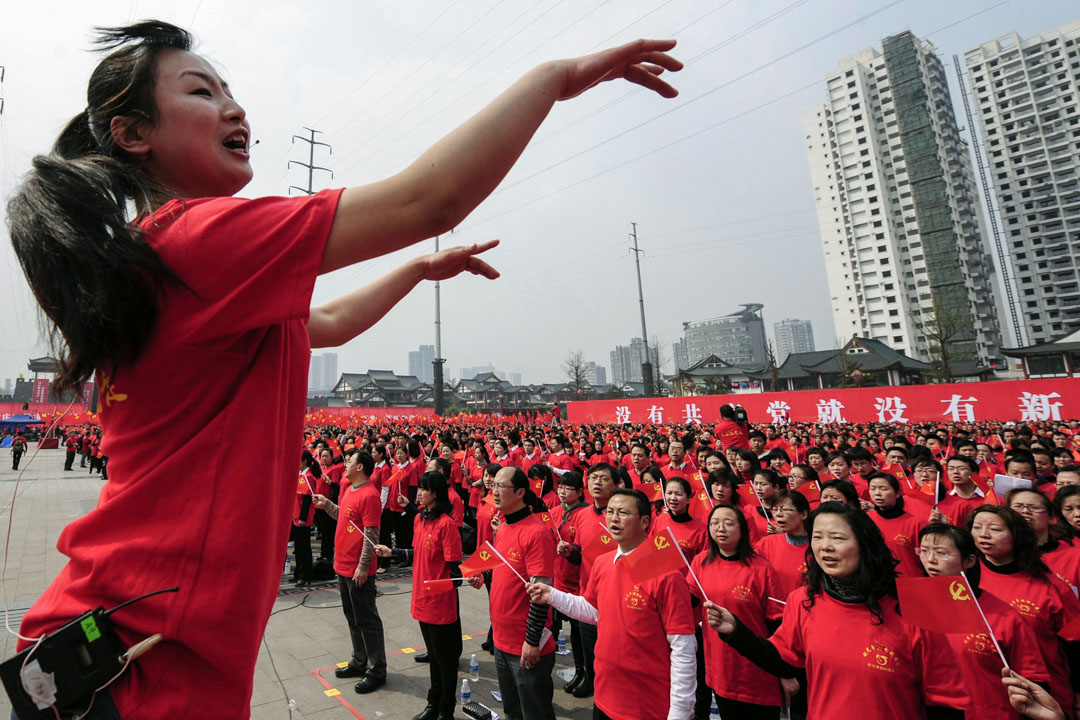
(69, 460)
(444, 652)
(588, 647)
(16, 456)
(301, 539)
(327, 527)
(365, 626)
(746, 711)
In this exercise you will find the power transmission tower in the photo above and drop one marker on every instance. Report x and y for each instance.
(2, 71)
(646, 367)
(310, 164)
(437, 375)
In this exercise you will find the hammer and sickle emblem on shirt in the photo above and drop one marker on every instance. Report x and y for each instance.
(484, 555)
(661, 542)
(958, 591)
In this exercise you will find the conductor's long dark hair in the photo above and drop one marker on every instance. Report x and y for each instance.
(875, 579)
(95, 277)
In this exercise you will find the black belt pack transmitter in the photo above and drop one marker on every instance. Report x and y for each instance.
(64, 669)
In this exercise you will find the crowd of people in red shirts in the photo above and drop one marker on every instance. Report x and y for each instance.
(792, 538)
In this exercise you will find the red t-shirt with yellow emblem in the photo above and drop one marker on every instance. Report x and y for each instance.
(632, 650)
(788, 561)
(529, 547)
(235, 328)
(436, 541)
(359, 508)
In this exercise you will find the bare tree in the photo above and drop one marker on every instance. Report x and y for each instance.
(662, 356)
(774, 371)
(574, 367)
(946, 329)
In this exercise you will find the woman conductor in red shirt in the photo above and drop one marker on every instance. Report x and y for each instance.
(202, 289)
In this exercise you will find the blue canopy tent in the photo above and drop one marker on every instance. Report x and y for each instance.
(16, 421)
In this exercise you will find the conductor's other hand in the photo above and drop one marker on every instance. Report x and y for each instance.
(447, 263)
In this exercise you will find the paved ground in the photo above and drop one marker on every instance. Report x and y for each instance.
(305, 637)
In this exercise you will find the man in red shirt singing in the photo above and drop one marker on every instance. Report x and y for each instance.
(645, 630)
(358, 518)
(679, 464)
(524, 651)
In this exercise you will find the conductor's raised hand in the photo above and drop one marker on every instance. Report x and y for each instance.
(640, 62)
(450, 262)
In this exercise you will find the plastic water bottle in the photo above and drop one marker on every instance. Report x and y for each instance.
(466, 694)
(288, 564)
(474, 668)
(714, 712)
(562, 643)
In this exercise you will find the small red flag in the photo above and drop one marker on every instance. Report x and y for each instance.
(809, 491)
(748, 493)
(598, 546)
(941, 604)
(437, 587)
(537, 487)
(481, 560)
(654, 490)
(701, 505)
(656, 556)
(545, 517)
(1071, 630)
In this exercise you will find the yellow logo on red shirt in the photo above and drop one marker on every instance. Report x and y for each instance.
(605, 539)
(108, 391)
(1026, 607)
(902, 540)
(880, 657)
(514, 554)
(979, 644)
(635, 600)
(742, 592)
(429, 541)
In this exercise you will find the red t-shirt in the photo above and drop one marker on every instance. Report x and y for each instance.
(959, 509)
(234, 327)
(685, 471)
(889, 671)
(380, 475)
(457, 509)
(527, 461)
(788, 561)
(1064, 560)
(732, 434)
(1047, 605)
(744, 589)
(560, 461)
(980, 666)
(484, 513)
(567, 575)
(632, 650)
(902, 536)
(529, 547)
(590, 525)
(435, 543)
(361, 506)
(330, 476)
(304, 487)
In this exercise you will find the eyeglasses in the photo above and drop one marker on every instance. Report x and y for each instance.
(1023, 507)
(782, 510)
(620, 514)
(503, 486)
(931, 554)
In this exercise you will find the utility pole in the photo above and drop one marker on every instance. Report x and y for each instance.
(646, 367)
(440, 401)
(310, 164)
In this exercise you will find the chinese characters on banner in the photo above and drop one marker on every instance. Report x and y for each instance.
(41, 390)
(1020, 400)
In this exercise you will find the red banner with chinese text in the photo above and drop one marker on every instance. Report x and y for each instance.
(1019, 400)
(51, 409)
(41, 390)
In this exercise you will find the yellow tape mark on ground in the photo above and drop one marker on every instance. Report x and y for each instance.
(332, 692)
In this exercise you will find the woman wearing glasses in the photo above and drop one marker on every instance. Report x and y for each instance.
(1053, 539)
(1014, 572)
(786, 550)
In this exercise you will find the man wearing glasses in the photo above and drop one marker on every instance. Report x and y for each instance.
(524, 652)
(646, 631)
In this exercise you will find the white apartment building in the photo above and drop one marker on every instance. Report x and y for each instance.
(897, 208)
(1026, 96)
(792, 336)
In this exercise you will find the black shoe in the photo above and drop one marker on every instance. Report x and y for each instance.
(584, 689)
(350, 671)
(487, 645)
(428, 713)
(579, 677)
(369, 684)
(422, 657)
(302, 583)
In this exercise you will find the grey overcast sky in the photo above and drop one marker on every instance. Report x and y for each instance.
(717, 180)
